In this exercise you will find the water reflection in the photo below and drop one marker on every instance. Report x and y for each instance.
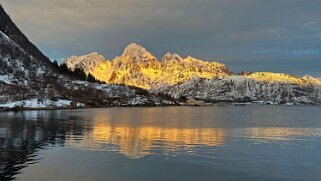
(136, 133)
(23, 134)
(281, 134)
(136, 142)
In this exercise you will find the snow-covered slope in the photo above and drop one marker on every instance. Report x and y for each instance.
(138, 67)
(20, 60)
(235, 88)
(8, 27)
(16, 63)
(41, 104)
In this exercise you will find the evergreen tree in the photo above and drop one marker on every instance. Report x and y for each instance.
(79, 72)
(91, 78)
(56, 65)
(63, 68)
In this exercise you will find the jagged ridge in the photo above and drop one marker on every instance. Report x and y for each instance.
(138, 67)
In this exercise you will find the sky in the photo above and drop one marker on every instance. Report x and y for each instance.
(253, 35)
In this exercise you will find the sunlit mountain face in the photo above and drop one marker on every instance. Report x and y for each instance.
(139, 68)
(284, 78)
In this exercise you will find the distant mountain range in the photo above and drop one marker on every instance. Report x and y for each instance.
(192, 78)
(138, 67)
(135, 78)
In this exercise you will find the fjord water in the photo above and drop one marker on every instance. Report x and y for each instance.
(166, 143)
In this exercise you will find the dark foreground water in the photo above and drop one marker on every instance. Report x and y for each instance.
(162, 144)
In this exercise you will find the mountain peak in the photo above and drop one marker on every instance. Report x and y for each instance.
(136, 52)
(134, 46)
(86, 62)
(172, 57)
(94, 53)
(91, 56)
(311, 79)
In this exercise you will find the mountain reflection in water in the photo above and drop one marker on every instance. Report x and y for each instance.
(136, 142)
(138, 132)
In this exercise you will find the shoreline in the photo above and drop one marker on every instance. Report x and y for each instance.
(148, 106)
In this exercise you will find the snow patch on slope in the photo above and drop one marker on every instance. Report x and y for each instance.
(36, 104)
(8, 79)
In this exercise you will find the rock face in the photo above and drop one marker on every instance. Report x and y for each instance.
(234, 88)
(283, 78)
(138, 67)
(87, 62)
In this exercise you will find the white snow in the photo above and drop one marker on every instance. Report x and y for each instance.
(235, 87)
(6, 79)
(137, 101)
(35, 104)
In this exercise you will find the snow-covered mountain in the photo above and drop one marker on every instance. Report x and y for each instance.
(87, 62)
(284, 78)
(8, 27)
(27, 74)
(241, 88)
(189, 77)
(138, 67)
(20, 60)
(29, 78)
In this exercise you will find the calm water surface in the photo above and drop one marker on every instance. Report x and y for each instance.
(162, 144)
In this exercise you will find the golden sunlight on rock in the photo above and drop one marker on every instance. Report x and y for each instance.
(283, 78)
(139, 68)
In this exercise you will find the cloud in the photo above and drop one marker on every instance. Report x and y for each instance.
(208, 29)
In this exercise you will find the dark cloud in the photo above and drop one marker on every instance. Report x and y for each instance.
(258, 35)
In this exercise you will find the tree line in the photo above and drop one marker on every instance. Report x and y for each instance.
(78, 73)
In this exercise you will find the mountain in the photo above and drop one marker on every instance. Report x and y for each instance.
(8, 27)
(138, 67)
(192, 78)
(29, 79)
(264, 87)
(87, 62)
(21, 62)
(284, 78)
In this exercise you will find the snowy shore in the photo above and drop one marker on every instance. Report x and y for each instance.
(40, 104)
(36, 104)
